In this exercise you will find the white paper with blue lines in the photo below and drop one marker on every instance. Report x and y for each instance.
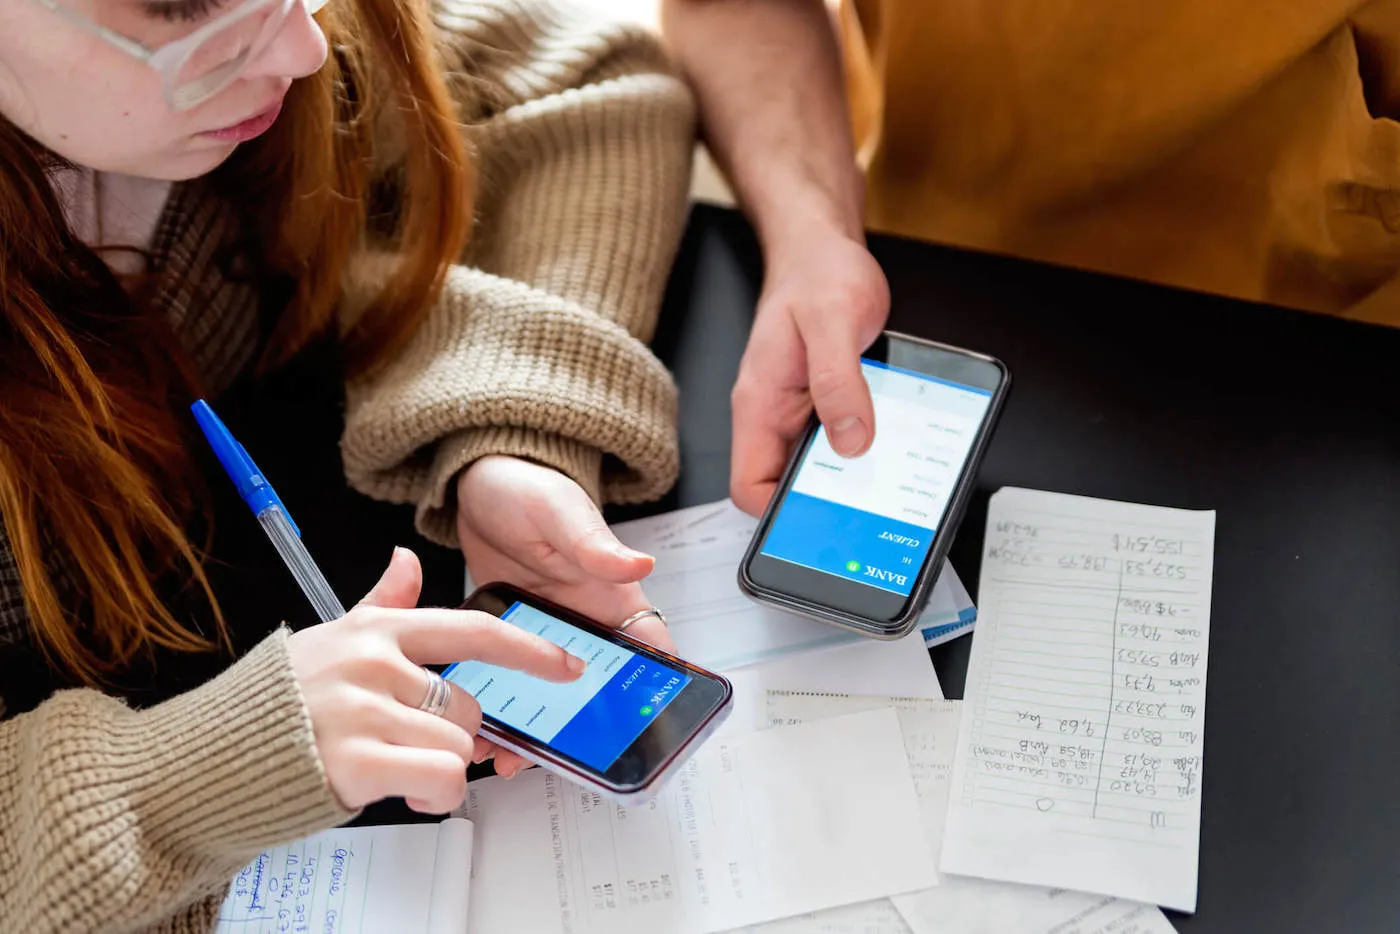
(356, 880)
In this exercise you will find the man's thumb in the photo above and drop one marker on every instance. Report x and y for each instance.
(840, 394)
(400, 584)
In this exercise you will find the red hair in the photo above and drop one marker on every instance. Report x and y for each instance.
(90, 379)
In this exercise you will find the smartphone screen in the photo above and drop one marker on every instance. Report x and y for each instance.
(593, 719)
(872, 519)
(855, 535)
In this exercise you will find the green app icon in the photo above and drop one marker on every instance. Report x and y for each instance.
(646, 711)
(853, 566)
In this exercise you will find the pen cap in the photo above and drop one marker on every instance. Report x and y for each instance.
(246, 476)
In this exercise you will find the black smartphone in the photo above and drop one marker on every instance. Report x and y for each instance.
(859, 542)
(622, 728)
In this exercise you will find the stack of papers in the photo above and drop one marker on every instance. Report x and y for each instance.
(756, 827)
(844, 795)
(954, 905)
(841, 746)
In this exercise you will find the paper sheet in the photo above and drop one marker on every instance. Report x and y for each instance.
(956, 905)
(975, 906)
(879, 917)
(1079, 764)
(698, 551)
(451, 899)
(756, 827)
(929, 728)
(368, 880)
(867, 667)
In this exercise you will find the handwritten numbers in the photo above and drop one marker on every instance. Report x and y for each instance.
(1093, 631)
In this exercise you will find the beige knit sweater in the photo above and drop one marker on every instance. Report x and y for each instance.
(116, 820)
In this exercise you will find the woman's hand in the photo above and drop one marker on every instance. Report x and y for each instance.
(362, 681)
(531, 526)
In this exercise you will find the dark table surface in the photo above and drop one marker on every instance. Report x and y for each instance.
(1287, 424)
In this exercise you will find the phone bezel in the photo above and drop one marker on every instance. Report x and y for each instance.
(677, 728)
(863, 608)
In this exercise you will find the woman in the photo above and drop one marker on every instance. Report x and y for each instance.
(197, 200)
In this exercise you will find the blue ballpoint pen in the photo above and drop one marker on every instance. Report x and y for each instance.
(272, 515)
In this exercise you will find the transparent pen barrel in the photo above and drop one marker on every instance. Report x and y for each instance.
(288, 544)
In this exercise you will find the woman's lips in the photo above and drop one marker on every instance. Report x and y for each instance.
(248, 129)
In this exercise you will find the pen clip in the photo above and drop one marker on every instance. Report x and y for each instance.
(247, 478)
(260, 482)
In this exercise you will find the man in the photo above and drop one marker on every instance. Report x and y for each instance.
(1244, 147)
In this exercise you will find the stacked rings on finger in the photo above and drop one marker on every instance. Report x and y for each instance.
(435, 701)
(642, 614)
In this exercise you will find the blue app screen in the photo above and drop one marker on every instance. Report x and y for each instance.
(594, 718)
(872, 519)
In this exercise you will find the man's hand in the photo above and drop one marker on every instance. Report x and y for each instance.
(772, 96)
(825, 300)
(527, 525)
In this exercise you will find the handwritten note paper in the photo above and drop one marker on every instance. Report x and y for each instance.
(366, 880)
(756, 827)
(1079, 761)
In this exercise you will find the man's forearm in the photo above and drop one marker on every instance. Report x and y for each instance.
(768, 76)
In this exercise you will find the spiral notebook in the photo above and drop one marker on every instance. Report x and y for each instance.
(367, 880)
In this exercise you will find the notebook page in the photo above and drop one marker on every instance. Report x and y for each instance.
(367, 880)
(451, 877)
(1079, 760)
(756, 827)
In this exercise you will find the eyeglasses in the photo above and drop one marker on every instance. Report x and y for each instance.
(196, 67)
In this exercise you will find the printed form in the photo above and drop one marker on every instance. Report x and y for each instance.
(756, 827)
(1079, 759)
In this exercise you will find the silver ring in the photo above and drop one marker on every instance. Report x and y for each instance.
(435, 701)
(643, 614)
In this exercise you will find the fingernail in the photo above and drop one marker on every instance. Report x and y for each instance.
(623, 551)
(574, 663)
(848, 436)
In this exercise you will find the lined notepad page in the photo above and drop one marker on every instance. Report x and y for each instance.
(1079, 759)
(357, 880)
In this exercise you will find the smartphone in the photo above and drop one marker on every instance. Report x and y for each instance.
(622, 728)
(859, 542)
